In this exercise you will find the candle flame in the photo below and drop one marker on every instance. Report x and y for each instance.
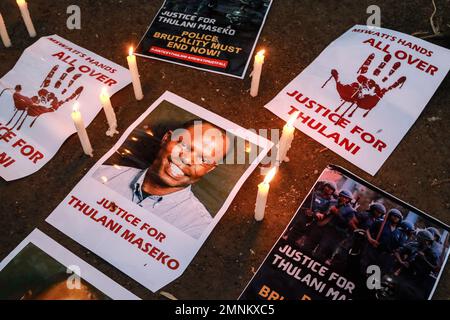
(130, 51)
(293, 118)
(76, 107)
(134, 139)
(270, 175)
(259, 58)
(104, 92)
(21, 2)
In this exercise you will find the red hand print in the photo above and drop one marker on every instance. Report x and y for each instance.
(366, 92)
(46, 100)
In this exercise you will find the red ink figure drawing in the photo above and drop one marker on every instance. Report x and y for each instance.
(365, 92)
(46, 100)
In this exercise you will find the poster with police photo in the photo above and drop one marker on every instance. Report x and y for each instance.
(352, 241)
(212, 35)
(149, 204)
(41, 269)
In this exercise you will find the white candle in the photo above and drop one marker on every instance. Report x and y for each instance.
(256, 74)
(286, 139)
(132, 64)
(81, 130)
(263, 193)
(23, 6)
(109, 112)
(4, 33)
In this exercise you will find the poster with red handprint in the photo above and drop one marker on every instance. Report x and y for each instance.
(363, 93)
(37, 98)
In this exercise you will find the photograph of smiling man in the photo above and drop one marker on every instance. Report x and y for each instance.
(164, 188)
(148, 205)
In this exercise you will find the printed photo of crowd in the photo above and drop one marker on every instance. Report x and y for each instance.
(349, 226)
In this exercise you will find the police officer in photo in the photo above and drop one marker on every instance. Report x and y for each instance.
(406, 233)
(304, 231)
(436, 248)
(383, 238)
(364, 220)
(335, 228)
(415, 262)
(361, 223)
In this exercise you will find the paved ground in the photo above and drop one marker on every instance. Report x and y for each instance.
(295, 33)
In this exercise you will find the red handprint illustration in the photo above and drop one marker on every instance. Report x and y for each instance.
(366, 92)
(46, 99)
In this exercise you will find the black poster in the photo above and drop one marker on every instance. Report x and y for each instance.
(212, 35)
(352, 241)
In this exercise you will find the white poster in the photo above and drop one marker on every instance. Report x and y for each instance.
(39, 268)
(150, 203)
(362, 94)
(37, 98)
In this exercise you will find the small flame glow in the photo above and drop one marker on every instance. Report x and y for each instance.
(21, 2)
(149, 132)
(259, 58)
(76, 107)
(293, 118)
(104, 179)
(270, 175)
(130, 51)
(104, 92)
(134, 139)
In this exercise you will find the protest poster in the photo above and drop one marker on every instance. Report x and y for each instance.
(39, 268)
(350, 240)
(211, 35)
(149, 204)
(363, 93)
(37, 98)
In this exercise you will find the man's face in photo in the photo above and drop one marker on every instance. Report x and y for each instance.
(187, 155)
(394, 219)
(377, 214)
(327, 191)
(343, 200)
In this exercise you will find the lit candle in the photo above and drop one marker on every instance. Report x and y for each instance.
(4, 33)
(132, 64)
(109, 112)
(256, 74)
(263, 192)
(286, 139)
(81, 129)
(23, 6)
